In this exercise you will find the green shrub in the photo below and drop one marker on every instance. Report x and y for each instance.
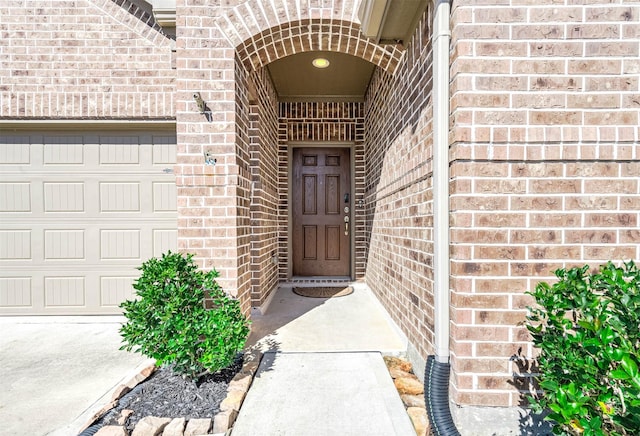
(170, 323)
(587, 327)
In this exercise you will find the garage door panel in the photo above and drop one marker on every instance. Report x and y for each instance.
(164, 197)
(64, 291)
(164, 152)
(15, 292)
(15, 244)
(15, 197)
(64, 196)
(119, 244)
(63, 151)
(119, 151)
(119, 197)
(164, 240)
(78, 216)
(115, 289)
(64, 244)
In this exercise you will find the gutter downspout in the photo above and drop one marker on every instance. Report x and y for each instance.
(441, 38)
(438, 369)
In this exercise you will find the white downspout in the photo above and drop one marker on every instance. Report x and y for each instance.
(437, 371)
(441, 41)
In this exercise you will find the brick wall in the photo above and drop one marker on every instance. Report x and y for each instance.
(398, 194)
(208, 195)
(83, 59)
(543, 163)
(265, 219)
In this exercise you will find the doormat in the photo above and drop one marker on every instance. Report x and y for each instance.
(323, 292)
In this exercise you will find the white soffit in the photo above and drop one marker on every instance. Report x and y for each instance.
(390, 21)
(164, 11)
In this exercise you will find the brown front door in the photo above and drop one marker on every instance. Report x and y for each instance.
(321, 202)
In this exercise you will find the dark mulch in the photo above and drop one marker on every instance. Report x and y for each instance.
(166, 394)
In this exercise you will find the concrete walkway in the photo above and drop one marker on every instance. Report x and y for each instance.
(322, 394)
(323, 373)
(55, 372)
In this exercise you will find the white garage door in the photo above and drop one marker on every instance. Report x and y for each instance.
(78, 214)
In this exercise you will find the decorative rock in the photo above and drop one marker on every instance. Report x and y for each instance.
(410, 386)
(112, 430)
(419, 419)
(233, 401)
(120, 392)
(250, 367)
(223, 421)
(399, 373)
(100, 413)
(240, 382)
(124, 415)
(396, 362)
(142, 375)
(150, 426)
(413, 400)
(175, 427)
(197, 427)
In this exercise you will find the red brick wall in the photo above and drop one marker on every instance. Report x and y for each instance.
(543, 164)
(83, 59)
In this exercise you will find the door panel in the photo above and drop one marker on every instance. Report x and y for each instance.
(320, 192)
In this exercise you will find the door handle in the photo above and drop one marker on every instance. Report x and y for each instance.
(346, 226)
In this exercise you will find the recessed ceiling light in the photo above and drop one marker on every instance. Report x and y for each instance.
(320, 63)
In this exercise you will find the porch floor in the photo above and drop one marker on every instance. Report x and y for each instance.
(356, 322)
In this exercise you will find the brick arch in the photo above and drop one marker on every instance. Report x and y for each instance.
(263, 32)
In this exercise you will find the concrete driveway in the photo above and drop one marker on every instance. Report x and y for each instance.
(55, 372)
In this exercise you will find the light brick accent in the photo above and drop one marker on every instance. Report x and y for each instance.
(83, 59)
(334, 35)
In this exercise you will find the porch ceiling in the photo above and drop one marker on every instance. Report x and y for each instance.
(296, 79)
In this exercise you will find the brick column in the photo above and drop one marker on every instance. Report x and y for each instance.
(212, 199)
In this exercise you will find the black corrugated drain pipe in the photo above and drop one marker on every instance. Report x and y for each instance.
(91, 430)
(436, 395)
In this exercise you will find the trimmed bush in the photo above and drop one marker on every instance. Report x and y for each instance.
(587, 328)
(169, 322)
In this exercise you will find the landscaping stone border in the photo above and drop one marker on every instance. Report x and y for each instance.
(159, 426)
(411, 391)
(409, 387)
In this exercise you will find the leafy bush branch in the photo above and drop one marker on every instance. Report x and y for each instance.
(169, 321)
(587, 328)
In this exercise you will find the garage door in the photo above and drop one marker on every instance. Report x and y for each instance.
(78, 214)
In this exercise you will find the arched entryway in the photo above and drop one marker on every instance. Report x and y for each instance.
(245, 230)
